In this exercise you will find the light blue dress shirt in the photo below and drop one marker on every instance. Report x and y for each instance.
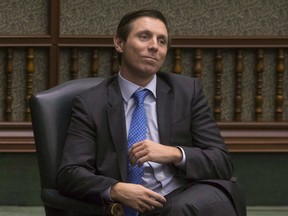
(157, 177)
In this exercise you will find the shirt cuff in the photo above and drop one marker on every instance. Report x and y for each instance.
(105, 195)
(182, 163)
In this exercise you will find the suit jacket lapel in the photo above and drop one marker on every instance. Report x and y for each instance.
(164, 110)
(116, 118)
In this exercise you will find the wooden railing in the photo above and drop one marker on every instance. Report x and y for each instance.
(176, 67)
(254, 135)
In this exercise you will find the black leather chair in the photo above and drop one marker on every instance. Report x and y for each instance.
(50, 111)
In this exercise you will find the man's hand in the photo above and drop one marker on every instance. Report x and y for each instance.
(136, 196)
(148, 150)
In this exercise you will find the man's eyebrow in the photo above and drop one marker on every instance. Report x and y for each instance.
(163, 36)
(144, 32)
(149, 32)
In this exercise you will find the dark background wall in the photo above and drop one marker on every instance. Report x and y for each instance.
(263, 177)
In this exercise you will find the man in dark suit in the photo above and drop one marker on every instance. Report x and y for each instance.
(185, 163)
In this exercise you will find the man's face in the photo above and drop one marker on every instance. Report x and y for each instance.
(145, 50)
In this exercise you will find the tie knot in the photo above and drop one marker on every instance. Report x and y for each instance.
(140, 95)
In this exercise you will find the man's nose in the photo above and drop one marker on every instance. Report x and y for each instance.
(153, 45)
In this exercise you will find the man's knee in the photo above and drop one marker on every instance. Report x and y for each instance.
(216, 209)
(200, 200)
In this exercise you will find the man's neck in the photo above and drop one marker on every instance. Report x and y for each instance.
(140, 81)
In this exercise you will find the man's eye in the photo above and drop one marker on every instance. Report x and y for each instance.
(143, 36)
(162, 41)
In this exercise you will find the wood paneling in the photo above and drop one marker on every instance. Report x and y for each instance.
(240, 136)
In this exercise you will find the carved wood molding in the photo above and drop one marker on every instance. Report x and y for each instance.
(16, 137)
(230, 41)
(255, 136)
(239, 136)
(177, 41)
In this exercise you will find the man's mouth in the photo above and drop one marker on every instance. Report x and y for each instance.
(150, 58)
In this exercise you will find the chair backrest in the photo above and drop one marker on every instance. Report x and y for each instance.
(50, 112)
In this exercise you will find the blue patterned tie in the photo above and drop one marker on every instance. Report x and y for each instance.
(137, 133)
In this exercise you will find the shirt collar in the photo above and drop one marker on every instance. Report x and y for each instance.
(128, 88)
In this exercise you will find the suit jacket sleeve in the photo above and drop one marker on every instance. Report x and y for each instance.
(79, 177)
(196, 131)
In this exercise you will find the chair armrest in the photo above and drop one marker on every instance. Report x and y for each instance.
(53, 199)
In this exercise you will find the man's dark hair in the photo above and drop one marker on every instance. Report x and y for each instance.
(124, 27)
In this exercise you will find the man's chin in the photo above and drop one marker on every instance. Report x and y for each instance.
(149, 71)
(149, 74)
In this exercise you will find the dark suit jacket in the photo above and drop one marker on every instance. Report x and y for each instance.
(95, 152)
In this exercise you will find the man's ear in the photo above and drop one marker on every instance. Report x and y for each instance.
(118, 43)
